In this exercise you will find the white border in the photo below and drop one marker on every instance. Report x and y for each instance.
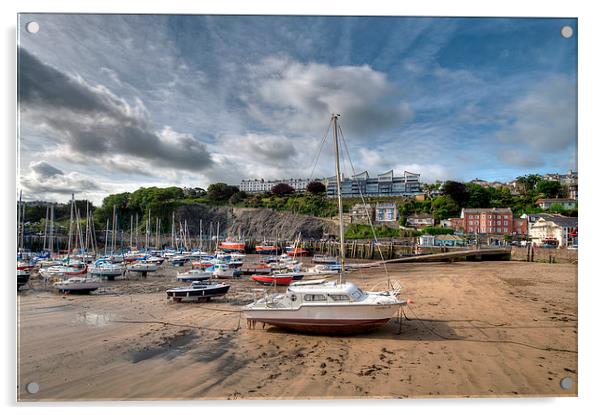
(589, 153)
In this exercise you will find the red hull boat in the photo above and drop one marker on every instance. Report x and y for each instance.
(272, 279)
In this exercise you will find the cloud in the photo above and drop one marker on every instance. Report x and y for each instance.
(44, 169)
(299, 98)
(520, 157)
(92, 121)
(43, 179)
(542, 121)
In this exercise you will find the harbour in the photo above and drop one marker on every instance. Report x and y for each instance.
(475, 328)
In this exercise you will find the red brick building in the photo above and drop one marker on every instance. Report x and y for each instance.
(491, 221)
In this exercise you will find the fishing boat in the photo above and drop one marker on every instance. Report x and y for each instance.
(232, 246)
(193, 275)
(198, 290)
(78, 285)
(328, 307)
(267, 249)
(275, 279)
(297, 251)
(105, 269)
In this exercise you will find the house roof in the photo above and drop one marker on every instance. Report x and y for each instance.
(562, 221)
(479, 210)
(558, 200)
(420, 216)
(448, 238)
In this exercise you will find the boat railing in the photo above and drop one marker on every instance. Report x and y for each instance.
(393, 287)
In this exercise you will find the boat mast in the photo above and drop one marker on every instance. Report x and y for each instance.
(173, 229)
(106, 236)
(51, 237)
(339, 196)
(131, 230)
(217, 240)
(113, 236)
(46, 228)
(70, 225)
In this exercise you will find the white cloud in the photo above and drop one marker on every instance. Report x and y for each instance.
(542, 121)
(299, 98)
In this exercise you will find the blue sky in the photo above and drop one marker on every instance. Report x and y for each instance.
(110, 102)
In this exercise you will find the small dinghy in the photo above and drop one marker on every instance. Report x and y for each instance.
(197, 291)
(193, 275)
(272, 279)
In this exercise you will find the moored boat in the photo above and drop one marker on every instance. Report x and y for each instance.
(23, 274)
(324, 259)
(104, 268)
(281, 280)
(142, 266)
(267, 249)
(232, 246)
(78, 285)
(198, 290)
(193, 275)
(327, 307)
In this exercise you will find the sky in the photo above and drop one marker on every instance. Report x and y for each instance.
(110, 103)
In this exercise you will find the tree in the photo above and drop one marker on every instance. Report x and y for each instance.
(282, 189)
(444, 207)
(478, 196)
(457, 191)
(316, 188)
(549, 188)
(527, 184)
(237, 197)
(220, 192)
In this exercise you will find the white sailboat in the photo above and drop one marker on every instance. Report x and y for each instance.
(70, 279)
(323, 306)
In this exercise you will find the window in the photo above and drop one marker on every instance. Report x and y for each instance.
(337, 297)
(505, 223)
(356, 294)
(314, 297)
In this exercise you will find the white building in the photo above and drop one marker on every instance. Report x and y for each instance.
(264, 186)
(556, 231)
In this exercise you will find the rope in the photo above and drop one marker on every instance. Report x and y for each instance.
(441, 336)
(364, 203)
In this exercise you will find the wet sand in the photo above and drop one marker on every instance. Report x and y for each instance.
(475, 329)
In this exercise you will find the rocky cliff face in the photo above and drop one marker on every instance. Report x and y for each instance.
(253, 223)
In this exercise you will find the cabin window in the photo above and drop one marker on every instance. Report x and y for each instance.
(314, 297)
(337, 297)
(356, 295)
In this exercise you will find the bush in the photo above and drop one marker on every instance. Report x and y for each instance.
(437, 230)
(282, 189)
(316, 188)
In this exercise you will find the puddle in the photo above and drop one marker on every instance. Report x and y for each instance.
(95, 319)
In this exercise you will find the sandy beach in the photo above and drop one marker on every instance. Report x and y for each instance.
(474, 329)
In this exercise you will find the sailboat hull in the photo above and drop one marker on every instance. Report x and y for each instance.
(348, 319)
(328, 327)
